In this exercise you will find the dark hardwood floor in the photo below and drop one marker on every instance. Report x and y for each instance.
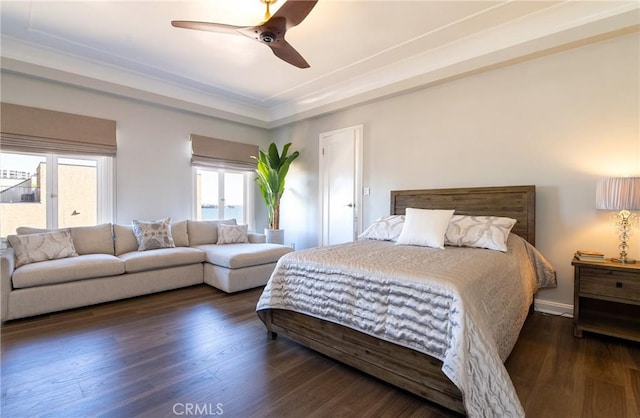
(200, 352)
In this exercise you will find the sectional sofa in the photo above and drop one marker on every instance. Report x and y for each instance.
(107, 263)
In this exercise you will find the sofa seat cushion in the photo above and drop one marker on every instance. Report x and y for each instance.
(64, 270)
(136, 261)
(236, 256)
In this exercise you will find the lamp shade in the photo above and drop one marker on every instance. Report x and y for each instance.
(618, 193)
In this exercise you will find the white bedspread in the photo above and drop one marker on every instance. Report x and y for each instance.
(463, 306)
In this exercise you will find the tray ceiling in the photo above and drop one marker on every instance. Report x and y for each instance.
(359, 50)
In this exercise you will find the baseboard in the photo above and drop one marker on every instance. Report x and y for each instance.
(553, 308)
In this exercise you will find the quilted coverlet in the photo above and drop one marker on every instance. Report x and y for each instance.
(463, 306)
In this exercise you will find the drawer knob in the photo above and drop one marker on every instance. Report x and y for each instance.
(618, 284)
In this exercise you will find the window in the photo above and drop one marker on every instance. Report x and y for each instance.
(54, 191)
(224, 194)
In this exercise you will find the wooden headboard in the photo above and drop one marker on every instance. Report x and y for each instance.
(517, 202)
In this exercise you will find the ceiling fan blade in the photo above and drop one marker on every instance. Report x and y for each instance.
(294, 11)
(206, 26)
(283, 50)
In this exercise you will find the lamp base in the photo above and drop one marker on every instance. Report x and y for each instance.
(623, 260)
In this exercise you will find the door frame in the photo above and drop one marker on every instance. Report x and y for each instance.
(358, 137)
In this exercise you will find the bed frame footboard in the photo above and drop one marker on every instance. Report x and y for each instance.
(408, 369)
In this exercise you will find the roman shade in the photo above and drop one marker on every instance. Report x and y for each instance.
(218, 153)
(30, 129)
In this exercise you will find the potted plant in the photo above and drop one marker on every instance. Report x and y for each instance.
(271, 171)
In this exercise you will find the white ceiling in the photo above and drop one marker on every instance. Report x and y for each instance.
(359, 50)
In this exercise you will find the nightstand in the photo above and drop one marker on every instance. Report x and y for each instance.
(606, 299)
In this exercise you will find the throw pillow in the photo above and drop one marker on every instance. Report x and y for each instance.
(386, 228)
(425, 227)
(33, 248)
(152, 235)
(232, 234)
(489, 232)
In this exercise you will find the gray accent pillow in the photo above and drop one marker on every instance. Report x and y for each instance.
(232, 234)
(152, 235)
(489, 232)
(33, 248)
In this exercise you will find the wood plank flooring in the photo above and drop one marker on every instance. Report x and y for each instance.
(200, 352)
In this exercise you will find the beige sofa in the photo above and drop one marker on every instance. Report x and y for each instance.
(110, 267)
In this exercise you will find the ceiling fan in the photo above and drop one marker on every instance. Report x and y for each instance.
(270, 32)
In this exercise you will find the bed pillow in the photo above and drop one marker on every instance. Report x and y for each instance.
(232, 234)
(425, 227)
(152, 235)
(33, 248)
(489, 232)
(386, 228)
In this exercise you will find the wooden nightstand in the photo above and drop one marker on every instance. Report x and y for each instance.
(606, 299)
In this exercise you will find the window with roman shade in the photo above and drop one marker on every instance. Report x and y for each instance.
(34, 130)
(224, 174)
(63, 168)
(221, 154)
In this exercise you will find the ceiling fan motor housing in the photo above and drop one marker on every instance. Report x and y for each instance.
(267, 37)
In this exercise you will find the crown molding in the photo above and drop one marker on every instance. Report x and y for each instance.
(561, 27)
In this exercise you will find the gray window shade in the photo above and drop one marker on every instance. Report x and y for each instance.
(30, 129)
(218, 153)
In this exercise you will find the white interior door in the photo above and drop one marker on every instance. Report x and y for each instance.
(341, 179)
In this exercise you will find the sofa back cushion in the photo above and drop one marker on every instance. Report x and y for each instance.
(124, 239)
(93, 239)
(96, 239)
(205, 232)
(179, 234)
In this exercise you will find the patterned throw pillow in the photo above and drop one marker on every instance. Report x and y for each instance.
(41, 247)
(386, 228)
(152, 235)
(232, 234)
(489, 232)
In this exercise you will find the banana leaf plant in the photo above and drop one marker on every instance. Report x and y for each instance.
(271, 171)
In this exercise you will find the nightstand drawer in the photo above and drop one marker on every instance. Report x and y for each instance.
(615, 284)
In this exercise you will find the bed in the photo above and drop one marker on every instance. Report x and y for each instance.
(435, 340)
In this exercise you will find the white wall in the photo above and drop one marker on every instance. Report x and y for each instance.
(154, 176)
(559, 122)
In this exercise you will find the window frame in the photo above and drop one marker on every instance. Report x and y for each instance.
(105, 184)
(249, 187)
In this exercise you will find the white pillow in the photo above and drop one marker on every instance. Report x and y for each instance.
(425, 227)
(33, 248)
(386, 228)
(489, 232)
(152, 235)
(232, 234)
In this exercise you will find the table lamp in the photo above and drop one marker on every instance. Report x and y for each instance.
(623, 194)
